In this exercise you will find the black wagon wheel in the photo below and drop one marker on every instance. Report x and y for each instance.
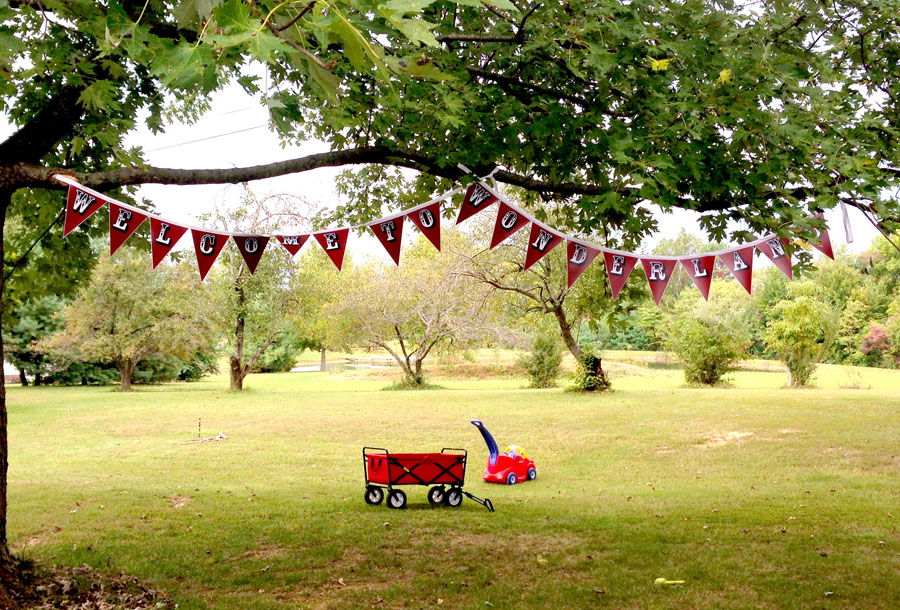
(453, 497)
(374, 495)
(436, 494)
(396, 499)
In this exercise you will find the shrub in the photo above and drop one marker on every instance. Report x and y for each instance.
(543, 363)
(589, 373)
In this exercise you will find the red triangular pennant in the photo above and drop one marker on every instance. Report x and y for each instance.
(823, 244)
(658, 272)
(618, 268)
(163, 237)
(334, 243)
(578, 257)
(508, 222)
(251, 248)
(700, 270)
(477, 198)
(540, 242)
(123, 222)
(390, 234)
(292, 243)
(740, 263)
(428, 219)
(79, 207)
(777, 251)
(207, 246)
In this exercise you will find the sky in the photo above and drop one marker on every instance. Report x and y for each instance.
(234, 133)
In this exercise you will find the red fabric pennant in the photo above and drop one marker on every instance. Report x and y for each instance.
(740, 263)
(578, 258)
(123, 222)
(163, 237)
(618, 268)
(80, 205)
(292, 243)
(428, 220)
(477, 198)
(207, 246)
(700, 270)
(390, 234)
(334, 243)
(540, 242)
(658, 272)
(777, 251)
(508, 222)
(823, 244)
(251, 248)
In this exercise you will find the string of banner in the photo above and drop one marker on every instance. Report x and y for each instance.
(124, 220)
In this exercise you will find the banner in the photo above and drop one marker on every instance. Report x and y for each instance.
(334, 242)
(540, 243)
(390, 234)
(292, 243)
(163, 237)
(207, 246)
(80, 206)
(658, 272)
(823, 243)
(428, 220)
(618, 268)
(509, 221)
(251, 248)
(740, 263)
(700, 270)
(123, 222)
(578, 257)
(777, 251)
(477, 198)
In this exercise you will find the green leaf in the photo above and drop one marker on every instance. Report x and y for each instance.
(325, 79)
(265, 44)
(188, 12)
(99, 96)
(407, 6)
(503, 5)
(417, 30)
(422, 68)
(184, 66)
(353, 43)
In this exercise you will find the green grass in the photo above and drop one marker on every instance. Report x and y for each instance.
(755, 495)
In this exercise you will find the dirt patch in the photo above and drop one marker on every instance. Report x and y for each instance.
(178, 501)
(39, 588)
(265, 552)
(719, 439)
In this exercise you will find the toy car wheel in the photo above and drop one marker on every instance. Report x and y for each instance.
(532, 474)
(436, 495)
(453, 498)
(396, 499)
(511, 478)
(374, 495)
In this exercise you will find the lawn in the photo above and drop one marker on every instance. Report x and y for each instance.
(754, 495)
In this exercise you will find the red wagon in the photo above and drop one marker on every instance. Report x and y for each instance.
(444, 471)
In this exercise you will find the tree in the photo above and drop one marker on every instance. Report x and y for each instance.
(709, 337)
(34, 321)
(770, 113)
(801, 331)
(410, 310)
(129, 312)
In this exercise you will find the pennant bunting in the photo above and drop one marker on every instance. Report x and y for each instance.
(740, 263)
(80, 205)
(777, 251)
(578, 257)
(540, 243)
(822, 244)
(163, 237)
(251, 248)
(123, 222)
(618, 268)
(207, 246)
(428, 220)
(334, 243)
(477, 198)
(700, 270)
(658, 272)
(390, 234)
(508, 222)
(292, 243)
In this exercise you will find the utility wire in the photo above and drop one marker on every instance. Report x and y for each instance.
(221, 135)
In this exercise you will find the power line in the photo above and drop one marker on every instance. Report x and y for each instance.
(221, 135)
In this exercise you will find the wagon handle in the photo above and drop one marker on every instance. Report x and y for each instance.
(366, 464)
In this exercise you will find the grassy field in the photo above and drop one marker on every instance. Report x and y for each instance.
(754, 495)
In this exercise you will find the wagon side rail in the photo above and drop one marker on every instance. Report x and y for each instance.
(387, 460)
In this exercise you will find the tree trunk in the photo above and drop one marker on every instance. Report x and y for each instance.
(566, 332)
(37, 379)
(237, 358)
(7, 566)
(126, 367)
(22, 378)
(322, 365)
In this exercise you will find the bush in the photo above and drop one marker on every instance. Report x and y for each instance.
(589, 373)
(543, 363)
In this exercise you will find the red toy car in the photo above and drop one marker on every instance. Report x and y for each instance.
(510, 467)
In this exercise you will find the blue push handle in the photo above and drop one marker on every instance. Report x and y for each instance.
(493, 449)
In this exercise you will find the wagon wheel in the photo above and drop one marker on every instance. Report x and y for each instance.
(436, 494)
(374, 495)
(453, 497)
(396, 499)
